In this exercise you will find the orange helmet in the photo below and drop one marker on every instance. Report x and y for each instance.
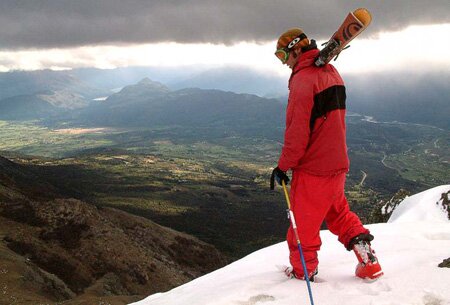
(292, 39)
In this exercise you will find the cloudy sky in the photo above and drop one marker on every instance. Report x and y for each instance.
(58, 34)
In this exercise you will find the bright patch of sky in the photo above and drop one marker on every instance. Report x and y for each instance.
(415, 48)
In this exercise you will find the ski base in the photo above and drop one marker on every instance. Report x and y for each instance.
(355, 22)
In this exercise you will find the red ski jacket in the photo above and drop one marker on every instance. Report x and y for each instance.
(314, 140)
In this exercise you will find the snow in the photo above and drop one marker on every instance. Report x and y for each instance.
(387, 208)
(100, 99)
(409, 247)
(420, 207)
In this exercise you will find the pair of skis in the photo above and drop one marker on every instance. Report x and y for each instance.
(355, 22)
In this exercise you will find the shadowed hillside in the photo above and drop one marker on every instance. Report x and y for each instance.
(66, 249)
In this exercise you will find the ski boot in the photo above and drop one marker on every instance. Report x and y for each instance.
(368, 267)
(290, 273)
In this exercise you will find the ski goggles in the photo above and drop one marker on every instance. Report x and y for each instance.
(283, 53)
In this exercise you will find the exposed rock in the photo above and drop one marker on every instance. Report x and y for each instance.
(383, 210)
(445, 263)
(444, 201)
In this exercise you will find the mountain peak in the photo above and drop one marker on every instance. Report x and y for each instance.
(148, 83)
(146, 80)
(143, 90)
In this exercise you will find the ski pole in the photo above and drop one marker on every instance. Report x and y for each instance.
(294, 227)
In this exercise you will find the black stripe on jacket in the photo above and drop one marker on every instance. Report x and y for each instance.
(327, 100)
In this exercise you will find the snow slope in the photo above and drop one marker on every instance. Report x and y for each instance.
(418, 207)
(409, 248)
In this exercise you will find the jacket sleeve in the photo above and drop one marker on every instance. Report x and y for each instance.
(296, 136)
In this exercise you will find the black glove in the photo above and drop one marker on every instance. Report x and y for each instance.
(279, 175)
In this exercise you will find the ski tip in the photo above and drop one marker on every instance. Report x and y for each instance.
(363, 15)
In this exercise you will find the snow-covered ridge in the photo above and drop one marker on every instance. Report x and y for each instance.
(409, 248)
(425, 206)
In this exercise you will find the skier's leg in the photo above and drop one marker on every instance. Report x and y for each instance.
(310, 203)
(340, 220)
(347, 225)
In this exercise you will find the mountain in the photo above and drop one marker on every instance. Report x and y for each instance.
(236, 79)
(409, 251)
(35, 82)
(54, 248)
(40, 106)
(64, 99)
(26, 107)
(30, 95)
(150, 103)
(138, 93)
(120, 77)
(413, 98)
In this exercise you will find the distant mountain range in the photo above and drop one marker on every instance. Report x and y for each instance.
(421, 98)
(151, 103)
(41, 105)
(236, 79)
(39, 94)
(44, 81)
(25, 107)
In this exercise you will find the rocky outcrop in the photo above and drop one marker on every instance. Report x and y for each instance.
(445, 263)
(68, 248)
(383, 210)
(81, 244)
(444, 202)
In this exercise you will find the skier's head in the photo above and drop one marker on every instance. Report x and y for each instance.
(289, 46)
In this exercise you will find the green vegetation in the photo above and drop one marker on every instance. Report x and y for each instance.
(216, 187)
(32, 139)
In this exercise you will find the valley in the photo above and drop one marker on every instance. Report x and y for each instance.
(216, 187)
(193, 163)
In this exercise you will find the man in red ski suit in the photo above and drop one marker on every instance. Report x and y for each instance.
(315, 150)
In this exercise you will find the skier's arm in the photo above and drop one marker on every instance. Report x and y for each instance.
(296, 136)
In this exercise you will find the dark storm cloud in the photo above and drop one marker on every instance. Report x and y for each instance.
(62, 23)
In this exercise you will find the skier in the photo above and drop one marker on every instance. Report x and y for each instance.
(315, 150)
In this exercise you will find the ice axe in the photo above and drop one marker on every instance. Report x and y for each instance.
(294, 227)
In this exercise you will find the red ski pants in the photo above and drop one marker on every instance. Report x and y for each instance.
(313, 200)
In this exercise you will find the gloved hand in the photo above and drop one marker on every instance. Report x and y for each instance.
(279, 175)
